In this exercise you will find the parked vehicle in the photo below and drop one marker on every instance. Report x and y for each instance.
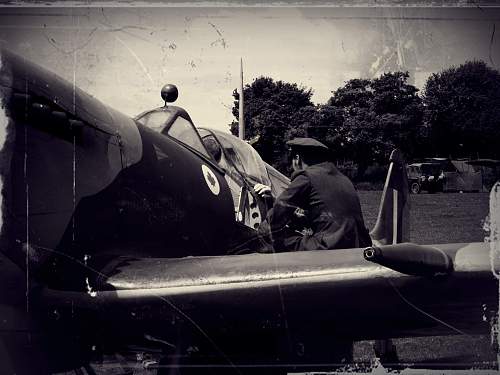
(449, 175)
(425, 176)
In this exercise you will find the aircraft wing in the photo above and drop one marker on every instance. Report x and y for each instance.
(354, 297)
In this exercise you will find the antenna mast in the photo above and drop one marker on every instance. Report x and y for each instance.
(241, 117)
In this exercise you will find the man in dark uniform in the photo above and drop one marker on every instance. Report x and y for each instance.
(323, 196)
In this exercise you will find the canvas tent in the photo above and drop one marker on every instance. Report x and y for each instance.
(469, 175)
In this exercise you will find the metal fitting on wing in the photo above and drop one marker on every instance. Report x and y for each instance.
(411, 259)
(370, 253)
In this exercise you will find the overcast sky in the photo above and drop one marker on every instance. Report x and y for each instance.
(123, 56)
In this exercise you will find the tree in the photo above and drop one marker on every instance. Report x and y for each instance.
(326, 126)
(363, 121)
(378, 115)
(275, 111)
(355, 93)
(462, 111)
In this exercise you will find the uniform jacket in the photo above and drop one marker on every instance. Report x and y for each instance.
(333, 211)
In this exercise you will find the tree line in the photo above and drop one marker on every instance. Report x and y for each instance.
(457, 114)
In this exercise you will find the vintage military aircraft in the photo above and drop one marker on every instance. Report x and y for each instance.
(120, 234)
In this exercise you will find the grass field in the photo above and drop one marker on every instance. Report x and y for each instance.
(437, 218)
(434, 219)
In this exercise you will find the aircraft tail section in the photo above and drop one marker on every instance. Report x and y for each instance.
(393, 221)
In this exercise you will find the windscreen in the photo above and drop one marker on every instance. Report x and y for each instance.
(155, 120)
(184, 131)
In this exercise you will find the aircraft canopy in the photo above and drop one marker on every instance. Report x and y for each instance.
(241, 155)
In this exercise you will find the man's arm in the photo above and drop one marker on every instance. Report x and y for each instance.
(295, 196)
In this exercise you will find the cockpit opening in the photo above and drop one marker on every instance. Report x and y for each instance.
(242, 165)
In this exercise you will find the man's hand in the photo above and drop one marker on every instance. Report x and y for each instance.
(262, 190)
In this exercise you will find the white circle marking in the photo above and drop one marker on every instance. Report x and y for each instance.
(210, 179)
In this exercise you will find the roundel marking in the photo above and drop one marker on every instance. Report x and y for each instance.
(210, 179)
